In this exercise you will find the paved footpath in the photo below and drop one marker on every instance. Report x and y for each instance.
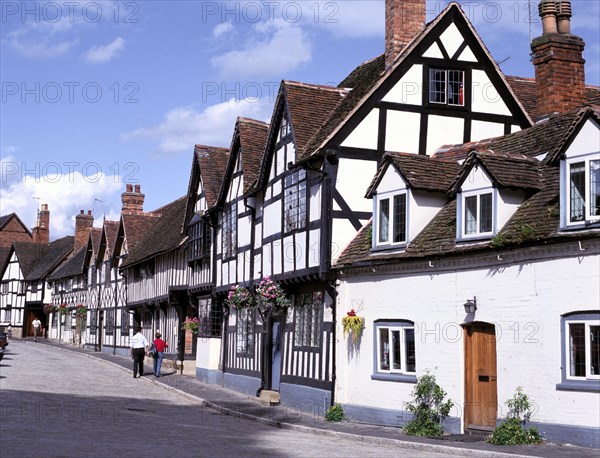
(62, 401)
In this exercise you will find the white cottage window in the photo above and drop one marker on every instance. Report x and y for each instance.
(446, 87)
(294, 202)
(478, 214)
(396, 348)
(583, 190)
(392, 220)
(581, 352)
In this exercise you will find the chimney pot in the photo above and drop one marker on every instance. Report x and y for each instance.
(90, 212)
(563, 16)
(137, 188)
(547, 9)
(128, 188)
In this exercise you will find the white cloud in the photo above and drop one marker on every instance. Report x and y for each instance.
(347, 18)
(183, 127)
(43, 39)
(66, 194)
(102, 54)
(276, 48)
(222, 29)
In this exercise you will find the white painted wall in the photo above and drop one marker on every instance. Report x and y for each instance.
(365, 134)
(587, 141)
(444, 130)
(409, 89)
(525, 301)
(353, 178)
(484, 129)
(402, 132)
(507, 205)
(485, 96)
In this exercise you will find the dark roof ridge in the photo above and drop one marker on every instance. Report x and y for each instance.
(315, 86)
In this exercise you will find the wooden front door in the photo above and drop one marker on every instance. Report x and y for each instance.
(481, 397)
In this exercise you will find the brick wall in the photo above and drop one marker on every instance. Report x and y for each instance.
(403, 20)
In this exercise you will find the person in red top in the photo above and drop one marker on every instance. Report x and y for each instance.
(160, 346)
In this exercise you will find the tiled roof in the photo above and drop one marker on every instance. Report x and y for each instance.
(535, 221)
(136, 227)
(162, 236)
(5, 253)
(96, 234)
(362, 72)
(73, 266)
(111, 228)
(420, 172)
(525, 91)
(541, 139)
(212, 162)
(4, 219)
(309, 107)
(38, 260)
(253, 139)
(506, 171)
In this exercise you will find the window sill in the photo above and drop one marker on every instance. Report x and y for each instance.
(476, 238)
(391, 247)
(589, 386)
(402, 378)
(589, 224)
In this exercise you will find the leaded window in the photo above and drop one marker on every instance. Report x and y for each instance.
(109, 322)
(478, 214)
(392, 219)
(245, 331)
(584, 190)
(93, 321)
(199, 244)
(229, 231)
(446, 87)
(294, 203)
(210, 318)
(583, 349)
(308, 319)
(124, 321)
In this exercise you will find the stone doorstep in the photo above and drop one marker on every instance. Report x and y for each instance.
(269, 398)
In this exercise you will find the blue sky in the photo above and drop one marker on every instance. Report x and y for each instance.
(99, 94)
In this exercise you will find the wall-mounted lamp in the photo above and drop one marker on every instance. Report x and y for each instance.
(250, 202)
(470, 305)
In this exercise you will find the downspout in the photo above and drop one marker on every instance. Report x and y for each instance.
(333, 293)
(116, 305)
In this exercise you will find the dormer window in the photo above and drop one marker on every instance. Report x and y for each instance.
(446, 87)
(285, 128)
(392, 220)
(478, 214)
(583, 190)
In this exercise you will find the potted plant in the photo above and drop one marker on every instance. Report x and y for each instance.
(239, 297)
(81, 311)
(63, 309)
(271, 296)
(49, 308)
(354, 324)
(191, 324)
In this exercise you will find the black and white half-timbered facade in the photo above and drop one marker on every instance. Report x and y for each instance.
(156, 276)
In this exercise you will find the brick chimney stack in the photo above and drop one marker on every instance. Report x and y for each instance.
(41, 232)
(132, 200)
(558, 60)
(83, 227)
(403, 20)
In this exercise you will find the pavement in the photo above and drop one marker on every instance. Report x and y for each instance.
(229, 402)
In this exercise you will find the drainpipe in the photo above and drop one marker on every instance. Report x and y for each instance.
(333, 293)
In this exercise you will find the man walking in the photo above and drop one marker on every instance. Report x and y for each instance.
(37, 325)
(137, 349)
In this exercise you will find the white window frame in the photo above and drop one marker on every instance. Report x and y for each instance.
(588, 352)
(588, 217)
(462, 209)
(295, 200)
(391, 219)
(402, 328)
(446, 72)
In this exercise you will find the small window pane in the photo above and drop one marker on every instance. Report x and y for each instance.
(595, 350)
(437, 86)
(577, 181)
(594, 188)
(471, 215)
(384, 220)
(577, 349)
(397, 360)
(485, 224)
(384, 349)
(409, 336)
(400, 218)
(455, 88)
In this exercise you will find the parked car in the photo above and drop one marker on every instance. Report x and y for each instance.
(3, 343)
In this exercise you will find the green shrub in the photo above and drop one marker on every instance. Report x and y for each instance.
(428, 407)
(513, 431)
(335, 413)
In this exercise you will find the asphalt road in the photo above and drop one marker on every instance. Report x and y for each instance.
(55, 403)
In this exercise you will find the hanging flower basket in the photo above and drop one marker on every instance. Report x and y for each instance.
(352, 323)
(191, 324)
(81, 311)
(271, 296)
(239, 297)
(63, 309)
(50, 308)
